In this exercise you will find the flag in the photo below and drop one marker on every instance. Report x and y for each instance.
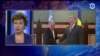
(79, 23)
(50, 18)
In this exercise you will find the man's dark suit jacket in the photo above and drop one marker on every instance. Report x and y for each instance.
(48, 37)
(74, 37)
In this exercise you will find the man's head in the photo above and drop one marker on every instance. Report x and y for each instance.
(51, 25)
(72, 20)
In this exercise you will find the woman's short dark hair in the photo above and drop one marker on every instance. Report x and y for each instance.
(19, 16)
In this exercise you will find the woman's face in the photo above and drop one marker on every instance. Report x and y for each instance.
(19, 26)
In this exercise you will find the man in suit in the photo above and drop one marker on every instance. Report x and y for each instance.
(50, 35)
(74, 34)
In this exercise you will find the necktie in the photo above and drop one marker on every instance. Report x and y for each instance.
(53, 34)
(71, 28)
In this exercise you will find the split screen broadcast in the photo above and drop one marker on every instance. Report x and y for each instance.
(49, 27)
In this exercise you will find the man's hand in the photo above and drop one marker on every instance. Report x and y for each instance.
(57, 41)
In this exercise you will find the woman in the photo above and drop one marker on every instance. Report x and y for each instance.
(19, 21)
